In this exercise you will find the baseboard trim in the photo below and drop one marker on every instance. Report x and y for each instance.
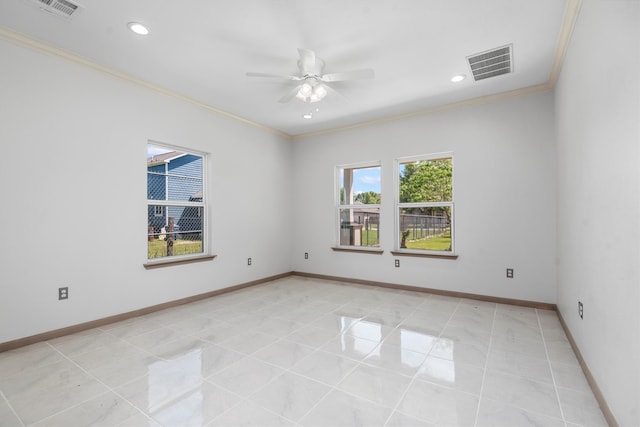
(606, 411)
(45, 336)
(604, 407)
(499, 300)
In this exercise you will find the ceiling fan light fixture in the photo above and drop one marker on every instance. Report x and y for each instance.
(306, 89)
(311, 93)
(320, 91)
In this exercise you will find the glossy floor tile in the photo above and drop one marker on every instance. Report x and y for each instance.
(306, 352)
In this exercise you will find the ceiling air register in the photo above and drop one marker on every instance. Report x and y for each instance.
(491, 63)
(63, 8)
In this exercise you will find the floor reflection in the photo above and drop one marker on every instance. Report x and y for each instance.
(367, 330)
(174, 380)
(441, 370)
(411, 342)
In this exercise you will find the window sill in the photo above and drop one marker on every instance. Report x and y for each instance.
(358, 250)
(425, 255)
(170, 262)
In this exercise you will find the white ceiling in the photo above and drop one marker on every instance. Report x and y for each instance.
(202, 49)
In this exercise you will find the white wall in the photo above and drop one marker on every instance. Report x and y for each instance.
(598, 123)
(504, 175)
(73, 196)
(73, 186)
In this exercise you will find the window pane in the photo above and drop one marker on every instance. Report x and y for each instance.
(360, 185)
(177, 177)
(178, 231)
(426, 228)
(426, 181)
(359, 227)
(174, 175)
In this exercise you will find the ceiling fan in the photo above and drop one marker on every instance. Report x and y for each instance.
(313, 85)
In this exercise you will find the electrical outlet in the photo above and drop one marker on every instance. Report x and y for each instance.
(306, 255)
(248, 261)
(510, 273)
(397, 263)
(580, 309)
(63, 293)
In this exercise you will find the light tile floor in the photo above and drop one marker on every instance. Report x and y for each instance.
(306, 352)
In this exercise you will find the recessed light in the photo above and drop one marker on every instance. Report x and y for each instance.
(458, 78)
(138, 28)
(307, 116)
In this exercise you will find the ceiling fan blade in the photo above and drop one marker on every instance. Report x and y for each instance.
(277, 76)
(335, 93)
(366, 73)
(290, 95)
(307, 61)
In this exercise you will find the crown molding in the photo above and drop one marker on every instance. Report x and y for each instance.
(569, 20)
(39, 46)
(486, 99)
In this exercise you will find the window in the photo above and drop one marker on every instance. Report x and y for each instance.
(358, 205)
(424, 209)
(175, 202)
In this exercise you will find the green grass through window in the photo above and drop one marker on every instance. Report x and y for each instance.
(370, 238)
(158, 248)
(441, 243)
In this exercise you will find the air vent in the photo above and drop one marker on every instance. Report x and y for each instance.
(491, 63)
(63, 8)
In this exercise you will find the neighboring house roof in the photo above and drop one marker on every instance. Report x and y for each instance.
(363, 208)
(164, 158)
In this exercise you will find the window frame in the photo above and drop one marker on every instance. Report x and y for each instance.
(398, 206)
(165, 204)
(338, 206)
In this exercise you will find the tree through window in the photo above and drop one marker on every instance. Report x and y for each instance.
(425, 203)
